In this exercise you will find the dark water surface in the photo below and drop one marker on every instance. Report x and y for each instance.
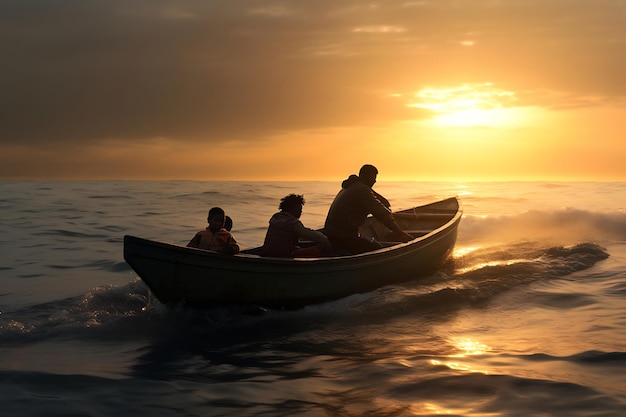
(527, 319)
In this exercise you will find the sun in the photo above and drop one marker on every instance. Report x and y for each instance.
(470, 105)
(479, 117)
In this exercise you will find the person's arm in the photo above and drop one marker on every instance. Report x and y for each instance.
(382, 199)
(226, 243)
(401, 234)
(231, 246)
(194, 242)
(384, 215)
(310, 234)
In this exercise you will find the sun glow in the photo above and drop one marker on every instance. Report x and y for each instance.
(478, 117)
(471, 105)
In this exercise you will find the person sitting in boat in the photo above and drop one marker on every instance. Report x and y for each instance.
(228, 223)
(286, 229)
(215, 237)
(348, 211)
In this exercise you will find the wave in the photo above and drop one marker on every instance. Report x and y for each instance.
(476, 278)
(103, 306)
(568, 225)
(526, 396)
(588, 357)
(110, 196)
(72, 234)
(406, 394)
(107, 265)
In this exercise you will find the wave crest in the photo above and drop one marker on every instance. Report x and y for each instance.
(566, 226)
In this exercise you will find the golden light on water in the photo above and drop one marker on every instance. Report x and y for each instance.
(434, 408)
(465, 347)
(437, 409)
(481, 265)
(460, 252)
(468, 346)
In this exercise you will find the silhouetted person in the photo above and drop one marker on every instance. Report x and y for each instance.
(228, 223)
(350, 208)
(286, 229)
(215, 237)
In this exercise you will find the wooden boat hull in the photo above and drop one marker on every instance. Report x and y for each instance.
(175, 273)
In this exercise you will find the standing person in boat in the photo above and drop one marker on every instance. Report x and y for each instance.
(285, 230)
(215, 237)
(350, 208)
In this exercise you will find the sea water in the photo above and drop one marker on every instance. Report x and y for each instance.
(528, 318)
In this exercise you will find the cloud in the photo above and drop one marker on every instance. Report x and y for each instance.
(83, 72)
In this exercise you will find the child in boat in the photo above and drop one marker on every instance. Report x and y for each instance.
(285, 230)
(228, 223)
(215, 237)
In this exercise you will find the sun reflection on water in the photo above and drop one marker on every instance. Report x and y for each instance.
(464, 348)
(460, 252)
(430, 408)
(470, 346)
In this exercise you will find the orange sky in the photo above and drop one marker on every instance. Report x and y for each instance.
(278, 90)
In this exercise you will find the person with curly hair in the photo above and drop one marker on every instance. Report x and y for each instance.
(285, 231)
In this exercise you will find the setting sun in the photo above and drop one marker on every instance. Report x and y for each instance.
(472, 105)
(481, 117)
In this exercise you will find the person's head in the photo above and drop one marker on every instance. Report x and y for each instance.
(292, 204)
(368, 174)
(216, 219)
(228, 223)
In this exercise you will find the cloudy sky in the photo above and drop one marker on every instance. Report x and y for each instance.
(312, 89)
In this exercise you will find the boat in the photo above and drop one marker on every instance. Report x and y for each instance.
(177, 274)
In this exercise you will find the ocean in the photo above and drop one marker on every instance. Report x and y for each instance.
(527, 318)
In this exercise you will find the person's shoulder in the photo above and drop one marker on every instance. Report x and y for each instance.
(283, 218)
(278, 216)
(350, 181)
(362, 189)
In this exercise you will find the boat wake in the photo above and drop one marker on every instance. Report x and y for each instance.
(472, 277)
(99, 308)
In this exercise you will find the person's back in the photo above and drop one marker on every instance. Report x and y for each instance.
(281, 238)
(285, 230)
(350, 208)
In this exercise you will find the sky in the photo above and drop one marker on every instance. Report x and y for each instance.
(459, 90)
